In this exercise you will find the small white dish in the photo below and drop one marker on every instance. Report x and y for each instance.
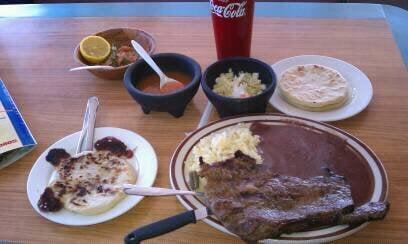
(361, 90)
(144, 159)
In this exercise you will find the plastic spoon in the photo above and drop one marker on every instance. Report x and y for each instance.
(92, 67)
(86, 138)
(155, 191)
(167, 84)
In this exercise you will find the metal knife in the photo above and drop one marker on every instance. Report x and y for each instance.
(166, 225)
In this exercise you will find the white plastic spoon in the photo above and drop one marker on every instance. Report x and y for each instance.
(92, 67)
(154, 191)
(167, 84)
(86, 138)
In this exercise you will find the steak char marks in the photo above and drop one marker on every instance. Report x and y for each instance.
(255, 203)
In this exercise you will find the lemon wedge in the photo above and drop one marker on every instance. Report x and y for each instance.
(94, 49)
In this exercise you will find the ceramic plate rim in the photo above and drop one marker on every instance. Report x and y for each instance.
(190, 202)
(122, 207)
(357, 102)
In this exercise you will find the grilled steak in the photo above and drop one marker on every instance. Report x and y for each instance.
(255, 203)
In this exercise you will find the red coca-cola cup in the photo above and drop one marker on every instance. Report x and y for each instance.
(232, 23)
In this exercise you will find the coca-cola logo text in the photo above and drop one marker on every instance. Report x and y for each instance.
(232, 10)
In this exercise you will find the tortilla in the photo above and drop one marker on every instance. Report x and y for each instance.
(313, 87)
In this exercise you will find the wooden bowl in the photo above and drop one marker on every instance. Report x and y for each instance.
(118, 37)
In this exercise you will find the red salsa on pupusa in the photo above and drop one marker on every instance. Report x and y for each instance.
(151, 83)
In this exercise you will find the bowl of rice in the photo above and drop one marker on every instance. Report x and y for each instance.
(239, 85)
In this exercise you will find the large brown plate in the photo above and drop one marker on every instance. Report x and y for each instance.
(298, 147)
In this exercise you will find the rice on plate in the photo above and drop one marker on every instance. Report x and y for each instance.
(221, 145)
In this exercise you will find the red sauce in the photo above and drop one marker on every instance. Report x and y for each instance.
(151, 83)
(55, 156)
(49, 202)
(113, 145)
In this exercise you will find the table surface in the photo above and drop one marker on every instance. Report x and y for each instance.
(36, 56)
(396, 18)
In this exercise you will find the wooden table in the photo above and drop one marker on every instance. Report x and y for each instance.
(36, 54)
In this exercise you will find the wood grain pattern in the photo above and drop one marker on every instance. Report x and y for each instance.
(37, 53)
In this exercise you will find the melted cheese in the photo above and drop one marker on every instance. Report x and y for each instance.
(92, 182)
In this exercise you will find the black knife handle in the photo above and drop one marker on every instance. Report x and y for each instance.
(160, 227)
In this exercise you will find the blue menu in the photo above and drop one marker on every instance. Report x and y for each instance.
(16, 139)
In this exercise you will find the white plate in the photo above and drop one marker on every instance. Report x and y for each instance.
(360, 88)
(42, 170)
(179, 175)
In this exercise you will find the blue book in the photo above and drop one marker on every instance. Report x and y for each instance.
(16, 139)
